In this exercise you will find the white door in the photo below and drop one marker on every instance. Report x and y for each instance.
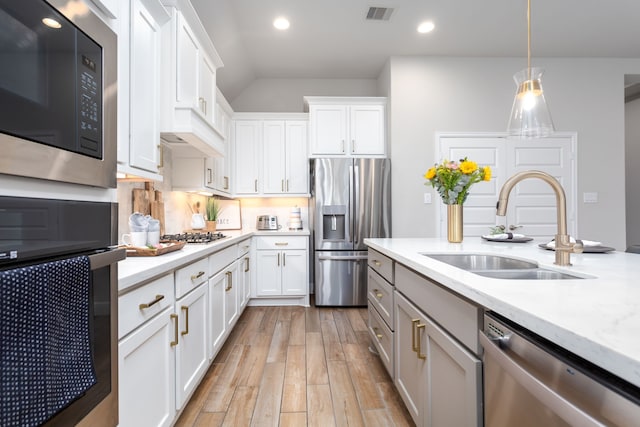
(145, 82)
(192, 358)
(217, 323)
(146, 374)
(532, 202)
(187, 65)
(294, 272)
(273, 155)
(328, 129)
(367, 131)
(297, 167)
(207, 88)
(247, 143)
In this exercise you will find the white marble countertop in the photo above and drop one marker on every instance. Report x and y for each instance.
(135, 270)
(597, 318)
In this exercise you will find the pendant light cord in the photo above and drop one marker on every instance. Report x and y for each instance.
(529, 39)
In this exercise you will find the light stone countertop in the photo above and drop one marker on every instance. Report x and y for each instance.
(136, 270)
(597, 318)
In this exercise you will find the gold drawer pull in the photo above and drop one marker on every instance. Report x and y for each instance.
(414, 322)
(378, 335)
(186, 320)
(149, 304)
(377, 263)
(197, 276)
(282, 243)
(377, 293)
(246, 267)
(418, 350)
(175, 330)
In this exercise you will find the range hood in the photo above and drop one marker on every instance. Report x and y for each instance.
(196, 132)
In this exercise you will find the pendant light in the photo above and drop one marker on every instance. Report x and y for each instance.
(530, 117)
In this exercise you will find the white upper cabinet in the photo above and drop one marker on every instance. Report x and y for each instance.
(247, 141)
(139, 83)
(189, 64)
(347, 126)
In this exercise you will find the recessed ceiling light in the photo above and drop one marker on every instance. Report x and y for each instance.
(281, 23)
(51, 23)
(426, 27)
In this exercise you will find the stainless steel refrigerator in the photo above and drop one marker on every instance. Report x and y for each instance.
(350, 201)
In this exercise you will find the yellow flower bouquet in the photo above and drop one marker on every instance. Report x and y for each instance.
(453, 179)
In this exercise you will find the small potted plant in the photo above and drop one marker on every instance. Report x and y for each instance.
(213, 211)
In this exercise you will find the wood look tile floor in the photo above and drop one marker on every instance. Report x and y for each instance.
(297, 366)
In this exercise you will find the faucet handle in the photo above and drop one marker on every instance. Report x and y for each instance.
(578, 247)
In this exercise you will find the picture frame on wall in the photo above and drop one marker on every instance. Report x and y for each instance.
(229, 217)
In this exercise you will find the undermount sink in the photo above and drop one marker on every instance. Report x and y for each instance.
(500, 267)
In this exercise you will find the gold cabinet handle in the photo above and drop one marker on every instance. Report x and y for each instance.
(157, 299)
(414, 322)
(175, 330)
(226, 182)
(255, 185)
(186, 320)
(281, 243)
(377, 293)
(229, 275)
(278, 264)
(284, 259)
(282, 185)
(161, 164)
(377, 263)
(418, 349)
(197, 276)
(287, 186)
(209, 176)
(246, 265)
(378, 335)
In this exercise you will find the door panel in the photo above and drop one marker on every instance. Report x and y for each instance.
(332, 204)
(341, 278)
(372, 200)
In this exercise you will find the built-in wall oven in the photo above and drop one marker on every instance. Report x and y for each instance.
(58, 73)
(58, 312)
(531, 382)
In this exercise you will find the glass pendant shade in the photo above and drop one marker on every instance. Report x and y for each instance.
(530, 117)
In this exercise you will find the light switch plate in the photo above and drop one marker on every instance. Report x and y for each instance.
(427, 198)
(590, 197)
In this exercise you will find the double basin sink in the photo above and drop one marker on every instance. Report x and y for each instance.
(500, 267)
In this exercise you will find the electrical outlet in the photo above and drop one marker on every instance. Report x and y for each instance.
(427, 198)
(590, 197)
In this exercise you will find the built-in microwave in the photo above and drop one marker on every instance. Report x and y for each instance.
(58, 74)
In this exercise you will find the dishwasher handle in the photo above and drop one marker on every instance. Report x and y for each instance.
(541, 391)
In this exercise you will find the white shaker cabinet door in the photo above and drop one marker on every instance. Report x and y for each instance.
(328, 129)
(248, 139)
(274, 157)
(269, 281)
(217, 323)
(367, 130)
(146, 374)
(297, 167)
(294, 272)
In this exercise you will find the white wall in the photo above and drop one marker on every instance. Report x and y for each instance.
(431, 94)
(632, 159)
(286, 95)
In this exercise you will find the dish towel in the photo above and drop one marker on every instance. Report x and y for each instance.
(504, 236)
(45, 351)
(585, 243)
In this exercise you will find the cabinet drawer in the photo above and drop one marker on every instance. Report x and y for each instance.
(458, 316)
(189, 277)
(140, 305)
(244, 247)
(281, 242)
(380, 295)
(381, 264)
(382, 338)
(221, 259)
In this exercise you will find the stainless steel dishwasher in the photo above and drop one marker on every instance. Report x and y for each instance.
(529, 381)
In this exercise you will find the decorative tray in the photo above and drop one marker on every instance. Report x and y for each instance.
(513, 240)
(165, 247)
(587, 249)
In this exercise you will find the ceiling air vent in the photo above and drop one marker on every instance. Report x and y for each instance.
(379, 13)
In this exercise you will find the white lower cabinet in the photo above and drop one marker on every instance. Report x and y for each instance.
(282, 266)
(438, 379)
(192, 358)
(146, 373)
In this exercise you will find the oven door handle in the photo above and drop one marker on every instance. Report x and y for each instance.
(541, 391)
(104, 259)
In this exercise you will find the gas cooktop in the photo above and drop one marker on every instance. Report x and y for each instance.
(197, 237)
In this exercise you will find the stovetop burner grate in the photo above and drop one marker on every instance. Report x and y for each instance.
(204, 237)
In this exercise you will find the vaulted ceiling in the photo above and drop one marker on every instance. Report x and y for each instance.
(332, 38)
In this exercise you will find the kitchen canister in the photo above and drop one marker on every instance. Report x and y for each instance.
(295, 221)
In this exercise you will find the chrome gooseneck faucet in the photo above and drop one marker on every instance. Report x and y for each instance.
(563, 245)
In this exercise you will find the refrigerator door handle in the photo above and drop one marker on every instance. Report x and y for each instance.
(352, 189)
(342, 257)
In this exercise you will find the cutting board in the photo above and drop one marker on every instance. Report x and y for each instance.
(148, 201)
(140, 201)
(157, 210)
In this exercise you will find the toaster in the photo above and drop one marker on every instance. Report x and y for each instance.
(267, 222)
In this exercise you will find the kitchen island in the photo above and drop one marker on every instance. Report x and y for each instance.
(597, 317)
